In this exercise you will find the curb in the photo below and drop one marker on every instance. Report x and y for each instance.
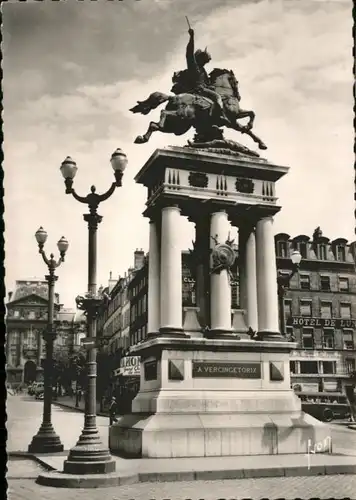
(30, 456)
(79, 410)
(58, 479)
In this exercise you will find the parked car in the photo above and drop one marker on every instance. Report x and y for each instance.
(325, 406)
(38, 387)
(40, 393)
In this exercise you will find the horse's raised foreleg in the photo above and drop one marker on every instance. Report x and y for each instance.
(153, 127)
(244, 114)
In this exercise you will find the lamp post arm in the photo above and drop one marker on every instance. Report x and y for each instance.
(81, 199)
(46, 261)
(109, 192)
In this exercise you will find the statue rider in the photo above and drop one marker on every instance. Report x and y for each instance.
(199, 77)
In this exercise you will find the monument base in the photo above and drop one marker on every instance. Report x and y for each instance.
(204, 397)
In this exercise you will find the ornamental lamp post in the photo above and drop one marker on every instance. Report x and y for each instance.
(46, 440)
(89, 455)
(283, 281)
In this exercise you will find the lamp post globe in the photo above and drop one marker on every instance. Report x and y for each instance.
(63, 245)
(68, 169)
(118, 162)
(296, 257)
(41, 236)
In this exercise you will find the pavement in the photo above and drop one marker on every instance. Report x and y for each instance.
(22, 486)
(24, 414)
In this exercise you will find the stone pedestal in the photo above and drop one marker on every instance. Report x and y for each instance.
(202, 397)
(206, 388)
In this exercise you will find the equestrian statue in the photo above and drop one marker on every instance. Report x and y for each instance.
(206, 102)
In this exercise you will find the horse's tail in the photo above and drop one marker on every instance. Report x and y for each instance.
(152, 102)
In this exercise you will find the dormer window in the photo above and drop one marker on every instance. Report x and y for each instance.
(302, 247)
(282, 250)
(340, 253)
(322, 253)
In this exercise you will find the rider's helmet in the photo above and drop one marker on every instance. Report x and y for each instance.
(202, 57)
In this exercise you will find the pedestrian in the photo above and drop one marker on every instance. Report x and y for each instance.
(113, 410)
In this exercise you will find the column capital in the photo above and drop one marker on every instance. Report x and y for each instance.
(247, 215)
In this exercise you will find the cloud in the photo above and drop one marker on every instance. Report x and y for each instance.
(85, 67)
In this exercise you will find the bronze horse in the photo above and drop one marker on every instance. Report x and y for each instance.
(187, 110)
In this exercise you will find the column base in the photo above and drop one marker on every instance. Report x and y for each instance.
(167, 331)
(89, 456)
(46, 441)
(221, 334)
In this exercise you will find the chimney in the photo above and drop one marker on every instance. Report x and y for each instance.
(9, 296)
(112, 282)
(139, 258)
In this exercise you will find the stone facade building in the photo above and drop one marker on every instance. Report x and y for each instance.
(26, 321)
(319, 306)
(320, 310)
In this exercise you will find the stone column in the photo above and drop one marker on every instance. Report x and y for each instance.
(154, 272)
(171, 272)
(220, 289)
(267, 297)
(251, 281)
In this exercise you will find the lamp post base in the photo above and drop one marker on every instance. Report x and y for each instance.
(89, 456)
(46, 441)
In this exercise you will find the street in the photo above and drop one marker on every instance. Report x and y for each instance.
(22, 473)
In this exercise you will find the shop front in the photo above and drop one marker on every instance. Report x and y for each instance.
(127, 383)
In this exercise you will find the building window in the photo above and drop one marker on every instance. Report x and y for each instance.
(345, 311)
(292, 367)
(304, 281)
(326, 310)
(302, 247)
(328, 338)
(287, 308)
(348, 337)
(305, 308)
(329, 367)
(340, 253)
(16, 313)
(343, 284)
(325, 283)
(282, 250)
(322, 253)
(12, 358)
(350, 365)
(31, 340)
(309, 367)
(308, 338)
(31, 315)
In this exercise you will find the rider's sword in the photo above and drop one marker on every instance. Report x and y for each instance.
(189, 26)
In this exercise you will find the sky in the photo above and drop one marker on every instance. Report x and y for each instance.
(73, 69)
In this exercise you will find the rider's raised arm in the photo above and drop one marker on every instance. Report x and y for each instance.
(191, 63)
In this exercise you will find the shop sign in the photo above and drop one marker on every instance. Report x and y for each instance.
(321, 322)
(130, 366)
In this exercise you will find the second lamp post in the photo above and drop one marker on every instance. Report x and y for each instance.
(283, 281)
(90, 455)
(46, 440)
